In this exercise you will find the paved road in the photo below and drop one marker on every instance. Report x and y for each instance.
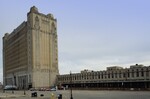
(78, 94)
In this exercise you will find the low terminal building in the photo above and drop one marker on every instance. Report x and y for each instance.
(137, 77)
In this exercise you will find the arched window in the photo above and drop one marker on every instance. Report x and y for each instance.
(36, 25)
(53, 28)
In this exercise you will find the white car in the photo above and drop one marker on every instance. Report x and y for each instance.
(10, 87)
(53, 89)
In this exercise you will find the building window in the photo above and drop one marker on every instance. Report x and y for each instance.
(92, 76)
(128, 73)
(112, 75)
(102, 75)
(105, 75)
(137, 73)
(142, 72)
(120, 74)
(108, 75)
(99, 76)
(132, 73)
(116, 74)
(147, 72)
(124, 75)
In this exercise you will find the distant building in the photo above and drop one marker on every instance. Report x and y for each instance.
(1, 85)
(30, 52)
(115, 77)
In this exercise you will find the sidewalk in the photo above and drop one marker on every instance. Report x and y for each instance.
(28, 94)
(9, 95)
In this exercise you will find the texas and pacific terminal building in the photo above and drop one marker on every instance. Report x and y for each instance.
(137, 77)
(30, 59)
(30, 53)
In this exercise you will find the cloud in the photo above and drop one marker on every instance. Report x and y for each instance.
(95, 57)
(98, 64)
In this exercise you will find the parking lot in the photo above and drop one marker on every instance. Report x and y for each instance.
(81, 94)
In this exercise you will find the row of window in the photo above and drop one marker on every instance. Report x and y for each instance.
(112, 75)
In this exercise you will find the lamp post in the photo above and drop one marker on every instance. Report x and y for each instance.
(24, 86)
(13, 84)
(71, 97)
(4, 83)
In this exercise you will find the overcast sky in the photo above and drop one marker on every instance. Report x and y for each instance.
(92, 34)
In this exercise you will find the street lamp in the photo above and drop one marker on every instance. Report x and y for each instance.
(24, 86)
(13, 84)
(71, 97)
(4, 83)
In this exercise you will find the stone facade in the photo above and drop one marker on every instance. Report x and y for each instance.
(30, 52)
(137, 76)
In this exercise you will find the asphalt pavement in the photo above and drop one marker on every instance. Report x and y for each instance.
(77, 94)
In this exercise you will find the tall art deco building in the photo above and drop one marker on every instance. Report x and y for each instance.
(30, 52)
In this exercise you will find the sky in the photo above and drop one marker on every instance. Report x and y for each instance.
(92, 34)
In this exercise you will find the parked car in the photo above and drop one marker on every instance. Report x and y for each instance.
(10, 87)
(34, 89)
(53, 89)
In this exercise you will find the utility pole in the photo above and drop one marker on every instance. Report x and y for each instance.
(71, 97)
